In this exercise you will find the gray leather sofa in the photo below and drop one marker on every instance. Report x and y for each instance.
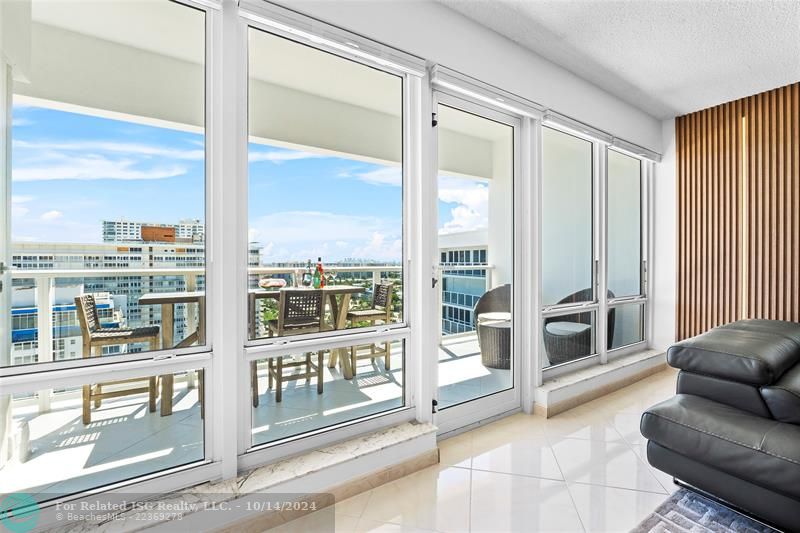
(733, 428)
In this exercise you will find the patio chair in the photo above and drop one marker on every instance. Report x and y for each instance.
(569, 337)
(96, 336)
(494, 335)
(299, 311)
(380, 311)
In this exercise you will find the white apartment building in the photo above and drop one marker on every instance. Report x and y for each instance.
(192, 230)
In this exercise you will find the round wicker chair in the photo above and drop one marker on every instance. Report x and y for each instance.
(494, 337)
(569, 343)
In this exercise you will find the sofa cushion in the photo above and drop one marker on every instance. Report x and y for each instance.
(759, 450)
(783, 397)
(747, 356)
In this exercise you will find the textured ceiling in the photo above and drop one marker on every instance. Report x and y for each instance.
(666, 57)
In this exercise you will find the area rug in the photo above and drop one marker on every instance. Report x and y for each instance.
(686, 511)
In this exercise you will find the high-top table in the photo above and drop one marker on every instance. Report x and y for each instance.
(338, 298)
(167, 301)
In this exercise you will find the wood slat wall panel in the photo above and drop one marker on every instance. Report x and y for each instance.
(738, 188)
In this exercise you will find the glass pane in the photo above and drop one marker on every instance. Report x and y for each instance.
(299, 393)
(325, 191)
(625, 325)
(624, 225)
(63, 441)
(569, 337)
(476, 171)
(108, 181)
(566, 218)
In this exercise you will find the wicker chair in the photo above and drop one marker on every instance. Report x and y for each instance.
(381, 311)
(299, 311)
(96, 336)
(494, 342)
(570, 345)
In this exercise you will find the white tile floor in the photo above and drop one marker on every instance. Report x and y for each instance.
(583, 470)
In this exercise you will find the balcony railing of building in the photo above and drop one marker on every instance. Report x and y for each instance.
(44, 281)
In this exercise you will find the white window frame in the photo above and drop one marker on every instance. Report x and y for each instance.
(212, 24)
(305, 31)
(601, 144)
(62, 374)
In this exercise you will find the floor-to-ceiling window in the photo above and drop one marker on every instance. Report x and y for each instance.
(325, 218)
(584, 256)
(625, 259)
(569, 269)
(107, 248)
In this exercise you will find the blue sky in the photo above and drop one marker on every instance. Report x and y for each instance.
(71, 171)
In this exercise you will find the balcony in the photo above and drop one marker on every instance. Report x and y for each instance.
(51, 431)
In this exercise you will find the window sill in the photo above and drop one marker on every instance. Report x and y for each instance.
(202, 503)
(572, 389)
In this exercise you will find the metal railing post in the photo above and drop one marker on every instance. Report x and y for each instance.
(192, 321)
(44, 328)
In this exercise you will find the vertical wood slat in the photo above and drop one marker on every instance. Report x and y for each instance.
(738, 189)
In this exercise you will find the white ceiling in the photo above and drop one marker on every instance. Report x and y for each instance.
(666, 57)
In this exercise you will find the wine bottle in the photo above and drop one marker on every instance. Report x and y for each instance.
(316, 279)
(321, 272)
(307, 277)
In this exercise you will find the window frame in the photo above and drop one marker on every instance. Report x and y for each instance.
(273, 20)
(253, 18)
(601, 303)
(60, 374)
(211, 14)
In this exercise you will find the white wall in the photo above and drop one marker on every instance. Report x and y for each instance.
(665, 261)
(438, 34)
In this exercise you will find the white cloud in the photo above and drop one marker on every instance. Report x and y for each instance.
(472, 197)
(17, 209)
(50, 216)
(91, 168)
(299, 235)
(382, 176)
(379, 247)
(18, 122)
(280, 157)
(129, 149)
(464, 219)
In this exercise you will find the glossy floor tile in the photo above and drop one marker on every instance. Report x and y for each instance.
(583, 470)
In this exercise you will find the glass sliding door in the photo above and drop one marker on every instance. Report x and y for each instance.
(475, 252)
(325, 217)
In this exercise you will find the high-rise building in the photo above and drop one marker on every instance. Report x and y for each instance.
(117, 293)
(188, 230)
(462, 257)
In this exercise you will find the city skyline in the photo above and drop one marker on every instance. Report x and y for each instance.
(71, 171)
